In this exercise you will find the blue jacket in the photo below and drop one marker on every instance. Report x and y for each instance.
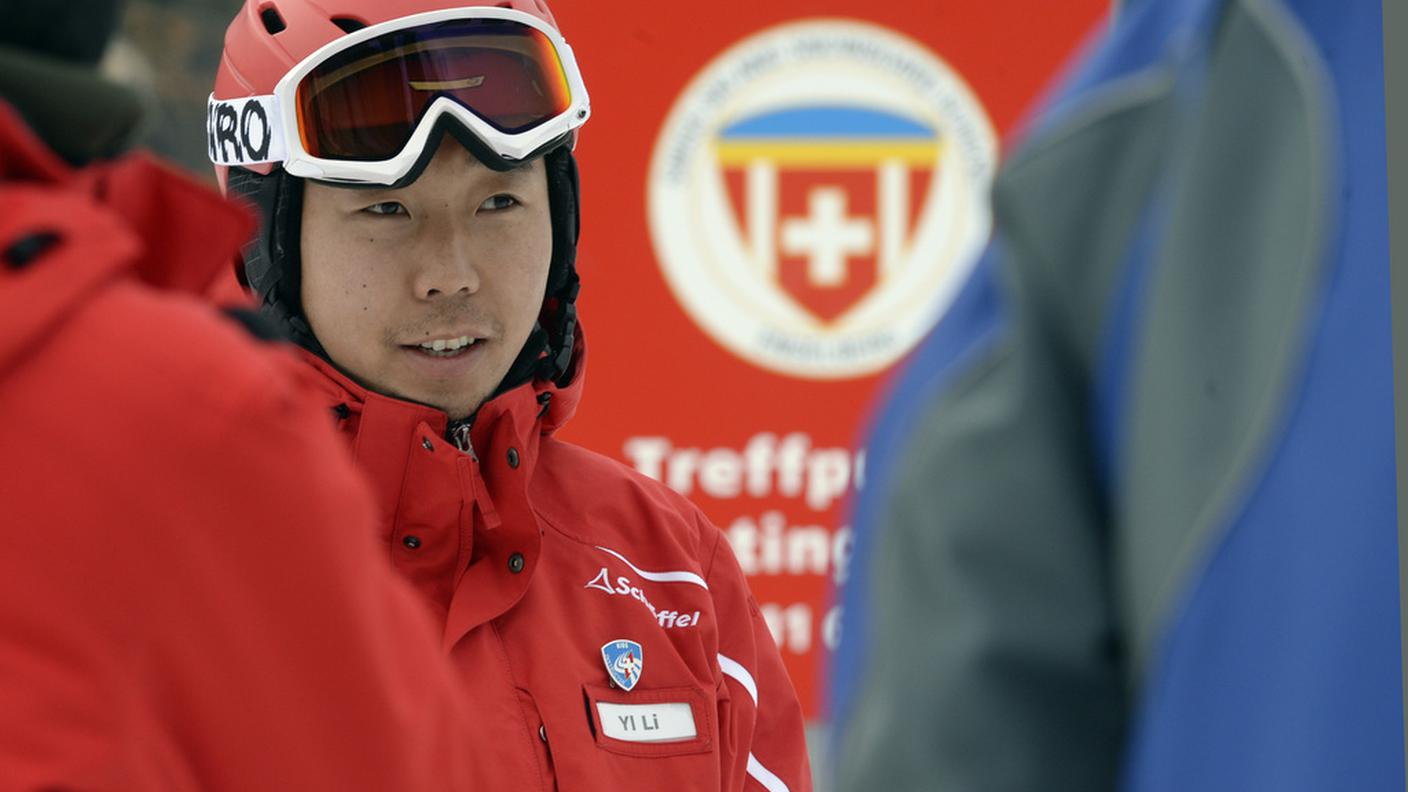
(1131, 517)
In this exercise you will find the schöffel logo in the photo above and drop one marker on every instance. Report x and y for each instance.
(818, 194)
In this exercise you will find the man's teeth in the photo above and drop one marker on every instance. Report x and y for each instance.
(447, 345)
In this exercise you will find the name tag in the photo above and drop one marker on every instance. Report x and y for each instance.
(647, 723)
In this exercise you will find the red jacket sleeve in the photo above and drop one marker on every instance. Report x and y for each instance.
(191, 595)
(763, 736)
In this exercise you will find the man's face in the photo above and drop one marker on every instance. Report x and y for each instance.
(461, 252)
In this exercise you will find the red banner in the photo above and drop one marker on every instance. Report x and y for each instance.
(779, 201)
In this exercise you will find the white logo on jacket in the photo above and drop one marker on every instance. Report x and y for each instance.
(624, 587)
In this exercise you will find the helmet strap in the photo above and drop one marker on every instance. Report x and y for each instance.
(547, 355)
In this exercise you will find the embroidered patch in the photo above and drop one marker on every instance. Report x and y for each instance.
(624, 662)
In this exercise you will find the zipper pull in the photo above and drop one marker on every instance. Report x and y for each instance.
(459, 435)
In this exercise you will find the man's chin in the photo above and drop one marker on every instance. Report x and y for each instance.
(458, 413)
(457, 403)
(456, 406)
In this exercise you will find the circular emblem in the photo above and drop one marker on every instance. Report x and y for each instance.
(818, 194)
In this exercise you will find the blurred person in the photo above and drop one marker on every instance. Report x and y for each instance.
(1131, 517)
(412, 165)
(190, 592)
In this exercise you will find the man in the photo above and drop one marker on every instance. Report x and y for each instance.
(190, 595)
(1132, 522)
(413, 167)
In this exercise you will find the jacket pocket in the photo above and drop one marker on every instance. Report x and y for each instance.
(657, 722)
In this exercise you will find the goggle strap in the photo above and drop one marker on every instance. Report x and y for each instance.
(245, 131)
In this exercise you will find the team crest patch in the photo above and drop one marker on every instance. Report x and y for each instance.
(818, 195)
(624, 662)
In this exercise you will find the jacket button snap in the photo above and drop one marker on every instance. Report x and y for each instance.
(542, 732)
(426, 444)
(513, 458)
(23, 253)
(411, 542)
(515, 563)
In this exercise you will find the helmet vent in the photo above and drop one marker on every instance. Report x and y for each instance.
(348, 24)
(271, 19)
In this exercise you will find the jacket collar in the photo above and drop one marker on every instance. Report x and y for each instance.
(416, 476)
(518, 417)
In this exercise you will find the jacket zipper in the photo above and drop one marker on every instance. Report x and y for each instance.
(458, 434)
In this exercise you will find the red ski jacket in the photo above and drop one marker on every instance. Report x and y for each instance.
(191, 594)
(601, 625)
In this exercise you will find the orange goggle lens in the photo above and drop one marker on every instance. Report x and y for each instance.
(364, 103)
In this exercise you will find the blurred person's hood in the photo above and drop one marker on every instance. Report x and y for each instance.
(66, 234)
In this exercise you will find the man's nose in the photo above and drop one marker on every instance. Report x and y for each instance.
(449, 266)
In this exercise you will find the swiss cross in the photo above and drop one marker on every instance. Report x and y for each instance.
(827, 236)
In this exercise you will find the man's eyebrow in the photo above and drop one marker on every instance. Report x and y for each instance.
(368, 191)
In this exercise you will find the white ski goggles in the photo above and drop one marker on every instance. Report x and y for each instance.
(363, 108)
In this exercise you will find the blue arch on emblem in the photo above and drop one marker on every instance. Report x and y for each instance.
(827, 121)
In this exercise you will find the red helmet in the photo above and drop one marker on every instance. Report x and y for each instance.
(266, 40)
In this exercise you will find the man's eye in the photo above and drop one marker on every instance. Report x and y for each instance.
(386, 208)
(498, 203)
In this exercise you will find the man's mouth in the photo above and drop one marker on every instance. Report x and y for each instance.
(444, 347)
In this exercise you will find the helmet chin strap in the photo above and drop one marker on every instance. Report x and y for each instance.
(270, 260)
(272, 267)
(547, 355)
